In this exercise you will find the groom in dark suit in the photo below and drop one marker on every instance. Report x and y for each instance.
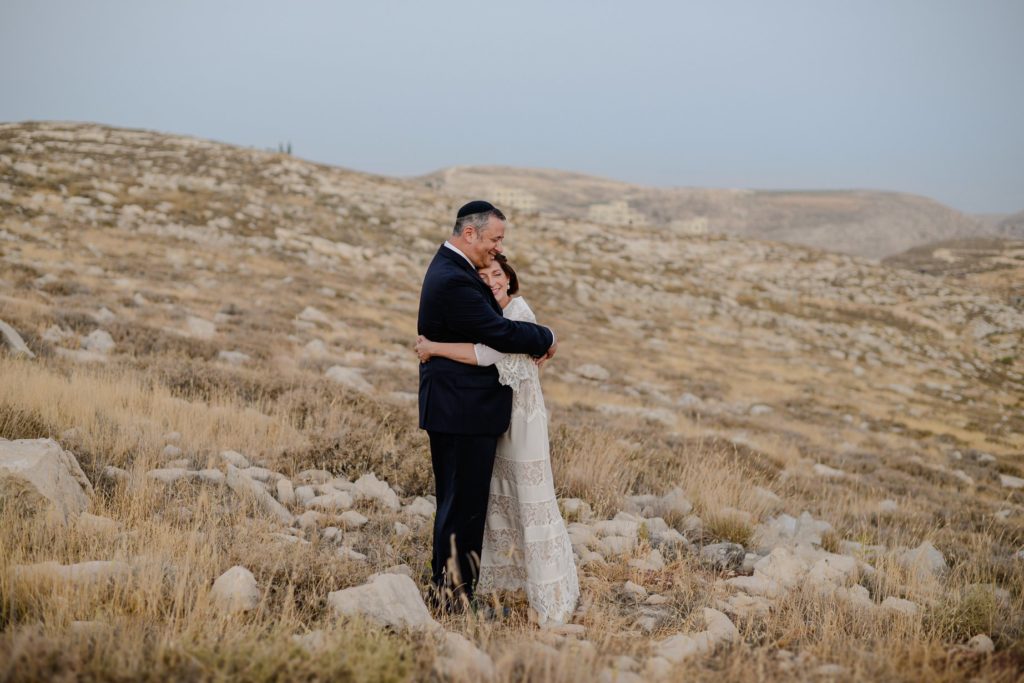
(463, 407)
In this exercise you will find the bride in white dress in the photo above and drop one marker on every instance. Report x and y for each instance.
(526, 546)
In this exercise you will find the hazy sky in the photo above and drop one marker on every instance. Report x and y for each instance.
(923, 96)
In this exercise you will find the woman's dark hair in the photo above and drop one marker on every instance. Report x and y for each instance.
(513, 279)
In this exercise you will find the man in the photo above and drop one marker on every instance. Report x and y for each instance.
(463, 407)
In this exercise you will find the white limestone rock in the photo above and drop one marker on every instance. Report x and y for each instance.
(330, 502)
(1011, 482)
(390, 600)
(349, 377)
(594, 372)
(924, 561)
(234, 458)
(905, 607)
(15, 344)
(576, 507)
(981, 644)
(719, 631)
(653, 562)
(98, 341)
(41, 467)
(212, 476)
(235, 590)
(352, 519)
(199, 328)
(233, 357)
(285, 491)
(420, 507)
(246, 487)
(79, 574)
(169, 475)
(95, 525)
(369, 487)
(461, 660)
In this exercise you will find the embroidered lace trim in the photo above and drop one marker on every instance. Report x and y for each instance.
(523, 473)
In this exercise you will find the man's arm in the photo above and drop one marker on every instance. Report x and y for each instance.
(471, 316)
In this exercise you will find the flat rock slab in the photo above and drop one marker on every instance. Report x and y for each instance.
(389, 599)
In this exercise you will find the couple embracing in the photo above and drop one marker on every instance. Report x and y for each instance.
(498, 526)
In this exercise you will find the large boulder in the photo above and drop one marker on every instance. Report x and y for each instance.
(15, 344)
(389, 599)
(34, 470)
(235, 590)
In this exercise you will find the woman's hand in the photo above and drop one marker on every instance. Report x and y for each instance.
(423, 348)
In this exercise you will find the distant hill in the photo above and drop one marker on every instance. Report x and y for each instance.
(866, 223)
(1012, 226)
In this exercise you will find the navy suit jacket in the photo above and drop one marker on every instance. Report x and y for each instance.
(456, 306)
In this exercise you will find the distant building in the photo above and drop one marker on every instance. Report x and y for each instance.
(615, 213)
(691, 226)
(513, 198)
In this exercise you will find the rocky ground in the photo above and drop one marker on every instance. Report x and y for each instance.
(775, 462)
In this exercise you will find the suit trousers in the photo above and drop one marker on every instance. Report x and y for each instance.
(462, 476)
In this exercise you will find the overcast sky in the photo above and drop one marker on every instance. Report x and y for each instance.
(922, 96)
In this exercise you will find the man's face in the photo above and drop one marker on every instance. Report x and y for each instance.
(485, 243)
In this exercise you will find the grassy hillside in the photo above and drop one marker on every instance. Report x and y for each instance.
(761, 379)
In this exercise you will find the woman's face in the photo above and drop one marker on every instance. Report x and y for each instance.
(496, 279)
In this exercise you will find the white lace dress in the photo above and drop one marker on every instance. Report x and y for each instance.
(526, 545)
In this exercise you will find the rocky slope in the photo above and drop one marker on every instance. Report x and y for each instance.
(858, 222)
(775, 461)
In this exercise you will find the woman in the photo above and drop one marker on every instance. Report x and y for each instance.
(526, 546)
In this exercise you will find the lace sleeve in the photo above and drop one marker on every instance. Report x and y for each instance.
(485, 355)
(514, 368)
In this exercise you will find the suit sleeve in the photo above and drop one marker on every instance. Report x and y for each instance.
(471, 316)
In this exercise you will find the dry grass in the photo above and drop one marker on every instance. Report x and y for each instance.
(658, 321)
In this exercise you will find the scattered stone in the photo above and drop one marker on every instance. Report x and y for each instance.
(925, 560)
(461, 660)
(352, 519)
(330, 502)
(888, 506)
(368, 487)
(96, 525)
(723, 556)
(304, 495)
(15, 344)
(98, 341)
(654, 562)
(169, 475)
(115, 473)
(36, 470)
(199, 328)
(211, 476)
(313, 315)
(347, 553)
(576, 507)
(420, 507)
(828, 472)
(285, 491)
(170, 452)
(349, 377)
(900, 605)
(233, 357)
(310, 519)
(311, 642)
(390, 599)
(402, 530)
(234, 458)
(245, 487)
(635, 591)
(760, 409)
(80, 574)
(981, 644)
(616, 545)
(1011, 482)
(236, 590)
(720, 630)
(745, 606)
(593, 372)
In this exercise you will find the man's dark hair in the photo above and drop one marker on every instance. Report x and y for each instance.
(477, 220)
